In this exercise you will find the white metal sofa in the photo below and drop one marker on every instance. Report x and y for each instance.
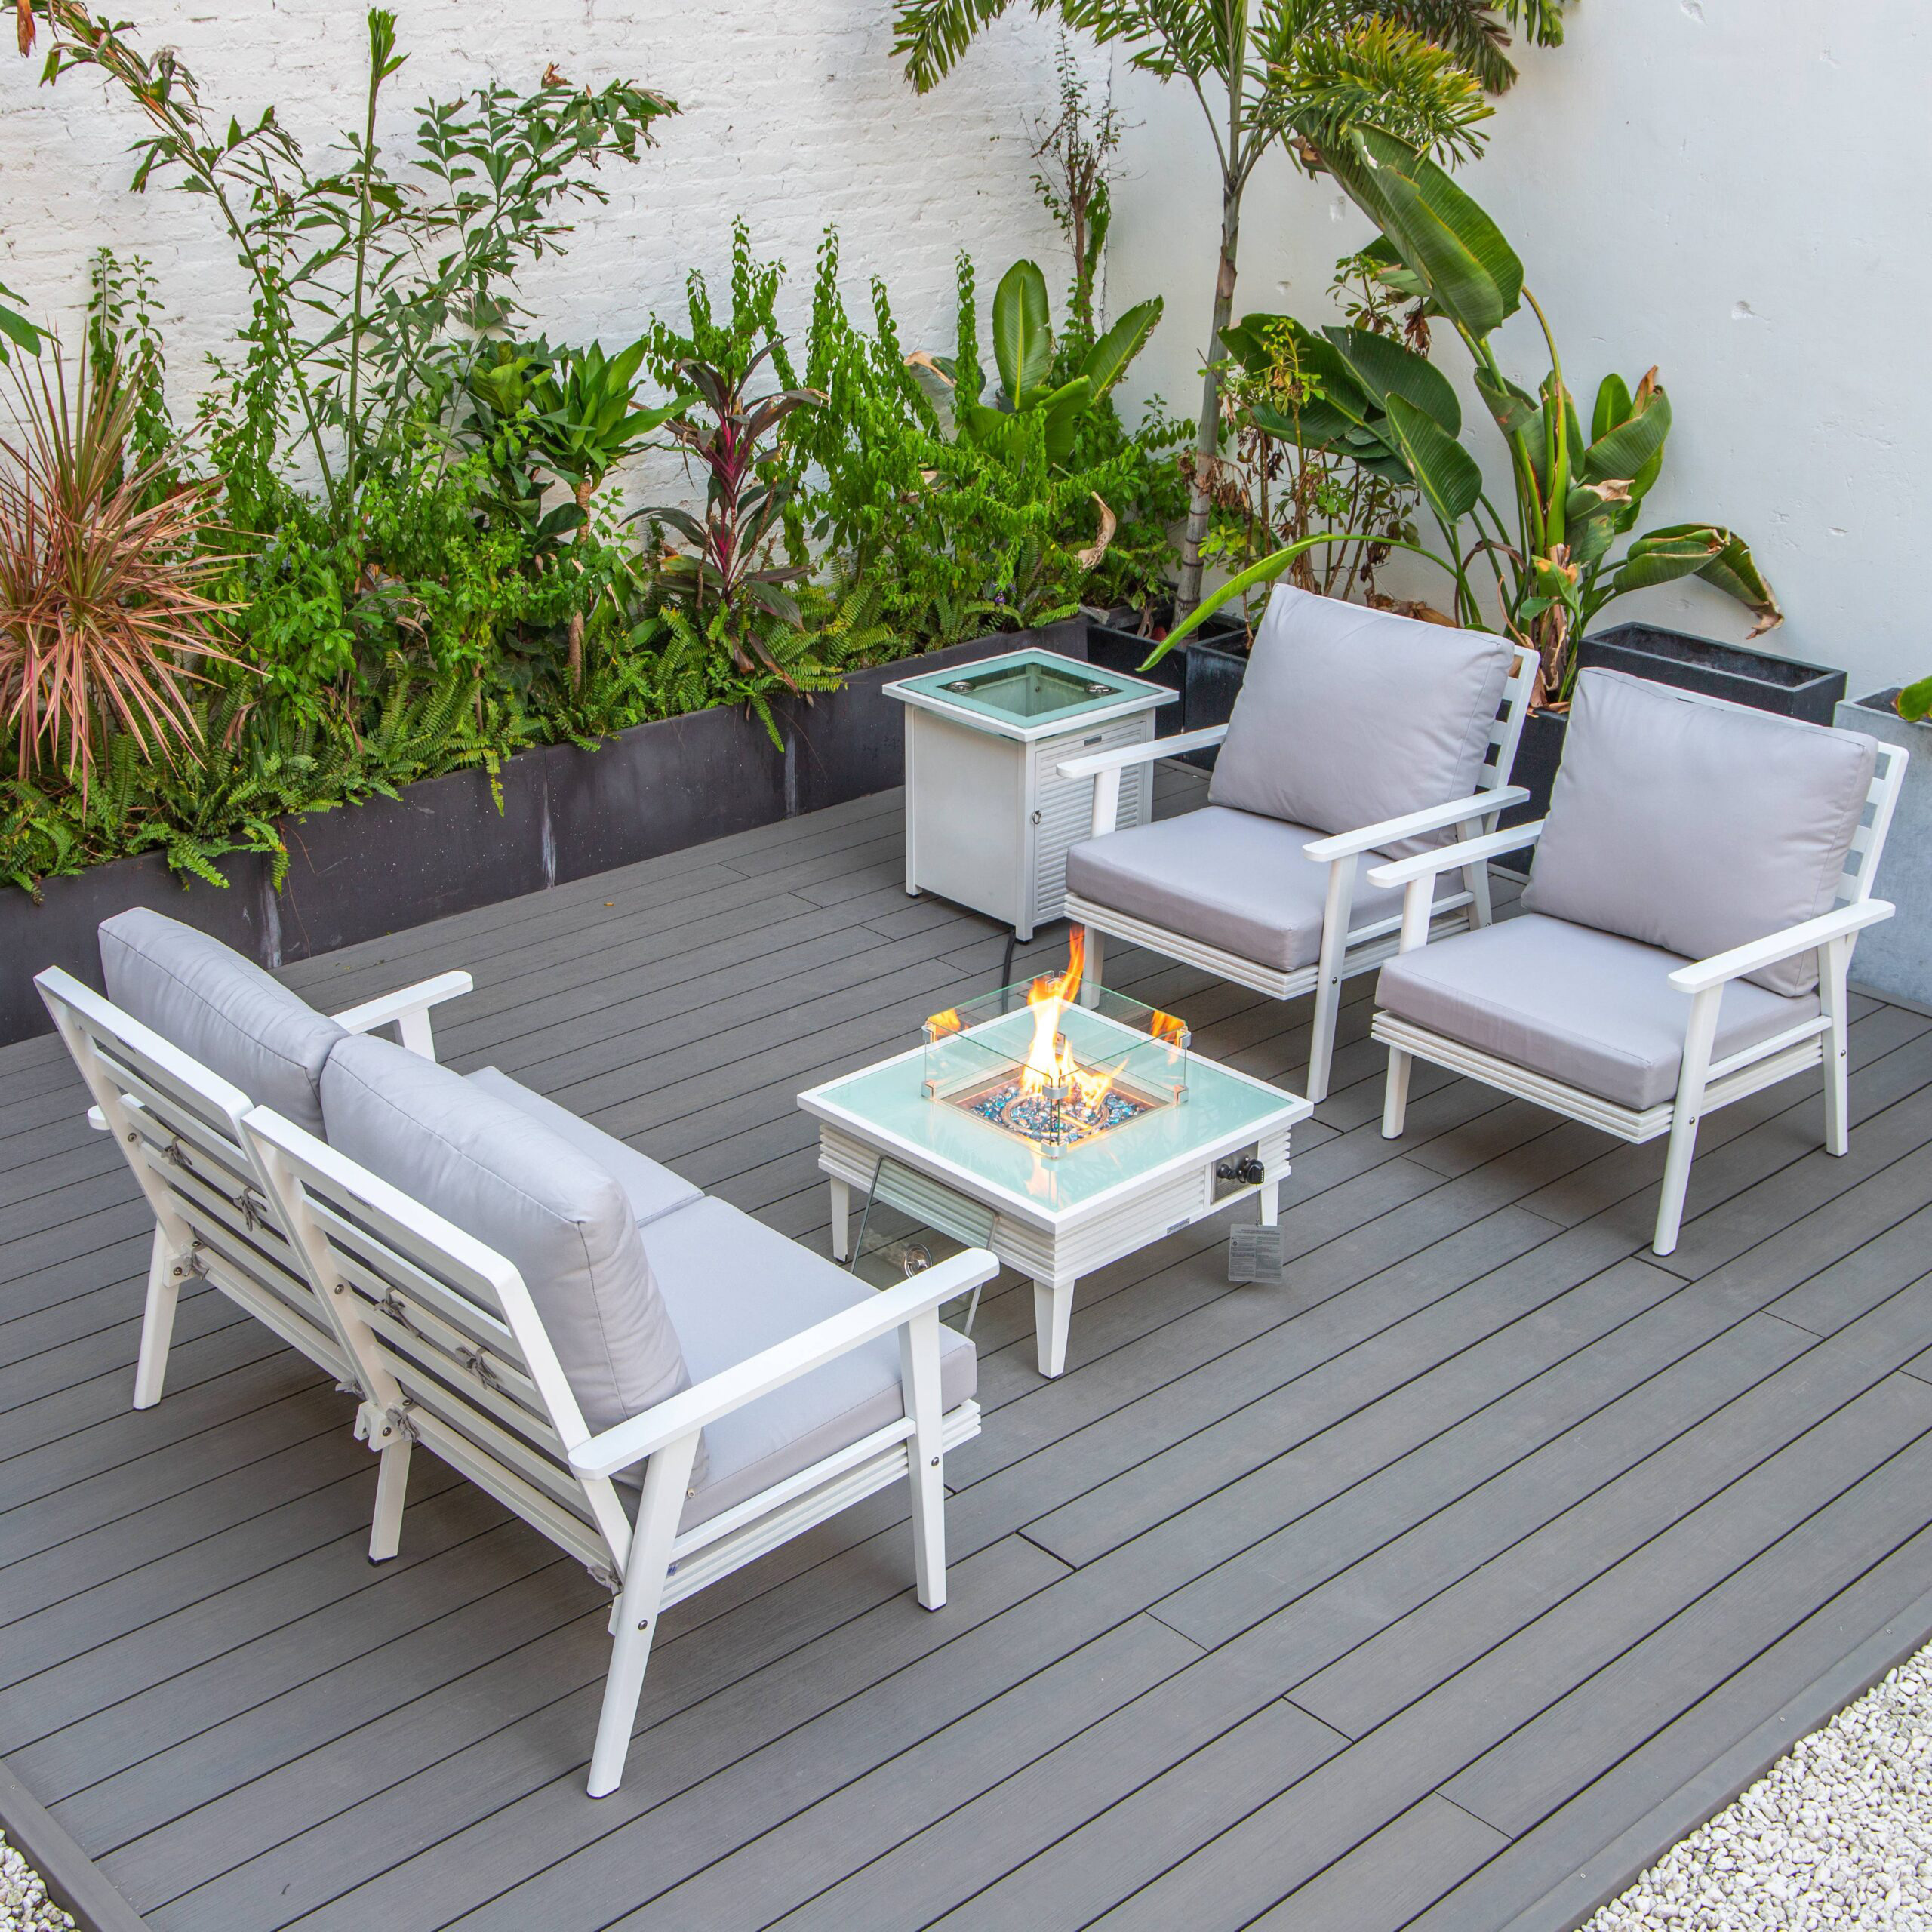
(1357, 734)
(666, 1400)
(1701, 881)
(190, 1037)
(660, 1384)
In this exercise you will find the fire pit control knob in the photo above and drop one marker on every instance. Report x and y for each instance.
(1249, 1172)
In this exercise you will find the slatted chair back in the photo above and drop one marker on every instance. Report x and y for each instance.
(447, 1345)
(1506, 733)
(1867, 842)
(179, 1127)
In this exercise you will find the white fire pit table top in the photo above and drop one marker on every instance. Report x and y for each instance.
(1057, 1218)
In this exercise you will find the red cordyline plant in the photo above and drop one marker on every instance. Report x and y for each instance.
(102, 613)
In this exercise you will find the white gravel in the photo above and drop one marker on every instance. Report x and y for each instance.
(24, 1906)
(1837, 1834)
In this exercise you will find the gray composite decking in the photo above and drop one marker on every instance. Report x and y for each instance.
(1440, 1587)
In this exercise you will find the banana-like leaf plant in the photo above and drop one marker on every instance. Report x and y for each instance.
(1555, 564)
(1269, 72)
(1024, 354)
(1915, 702)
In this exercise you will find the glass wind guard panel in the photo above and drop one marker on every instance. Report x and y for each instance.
(917, 1098)
(1024, 688)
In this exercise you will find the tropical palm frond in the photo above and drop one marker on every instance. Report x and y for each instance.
(933, 34)
(1389, 77)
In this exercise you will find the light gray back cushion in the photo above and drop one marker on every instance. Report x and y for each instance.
(1349, 716)
(520, 1189)
(221, 1010)
(1697, 827)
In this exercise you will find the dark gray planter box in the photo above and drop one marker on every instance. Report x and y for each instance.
(360, 871)
(443, 847)
(660, 787)
(846, 743)
(61, 930)
(1894, 960)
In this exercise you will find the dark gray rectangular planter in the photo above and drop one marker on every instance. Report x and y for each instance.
(1733, 670)
(1894, 960)
(360, 871)
(661, 786)
(846, 743)
(61, 930)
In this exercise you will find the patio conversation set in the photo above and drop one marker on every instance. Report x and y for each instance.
(668, 1390)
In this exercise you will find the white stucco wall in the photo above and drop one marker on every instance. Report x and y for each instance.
(1728, 188)
(793, 116)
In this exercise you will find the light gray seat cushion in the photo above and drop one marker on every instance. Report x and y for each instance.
(221, 1010)
(734, 1288)
(1589, 1008)
(1349, 716)
(651, 1190)
(1697, 827)
(524, 1190)
(1233, 880)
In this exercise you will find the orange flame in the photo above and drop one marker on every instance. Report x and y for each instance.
(1049, 1059)
(941, 1024)
(1167, 1027)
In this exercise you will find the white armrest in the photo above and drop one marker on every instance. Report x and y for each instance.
(630, 1441)
(410, 1007)
(1448, 858)
(1701, 975)
(1413, 825)
(1094, 763)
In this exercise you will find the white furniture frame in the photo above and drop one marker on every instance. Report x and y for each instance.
(1055, 1247)
(990, 813)
(1347, 949)
(178, 1125)
(446, 1348)
(1703, 1084)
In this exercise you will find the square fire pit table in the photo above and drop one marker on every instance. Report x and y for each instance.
(1130, 1136)
(989, 819)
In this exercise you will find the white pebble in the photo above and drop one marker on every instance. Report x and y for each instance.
(1839, 1833)
(24, 1905)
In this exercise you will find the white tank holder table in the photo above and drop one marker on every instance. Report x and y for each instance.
(988, 820)
(1057, 1219)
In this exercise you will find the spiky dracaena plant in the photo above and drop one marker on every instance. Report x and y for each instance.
(103, 613)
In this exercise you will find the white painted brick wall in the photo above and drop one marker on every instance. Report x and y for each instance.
(795, 115)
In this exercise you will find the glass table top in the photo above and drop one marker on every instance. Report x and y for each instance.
(889, 1101)
(1029, 687)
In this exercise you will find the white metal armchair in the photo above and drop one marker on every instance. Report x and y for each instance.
(1701, 882)
(1358, 733)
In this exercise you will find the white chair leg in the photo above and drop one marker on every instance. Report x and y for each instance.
(1335, 915)
(1053, 1316)
(666, 1477)
(841, 1216)
(1096, 960)
(919, 1377)
(392, 1491)
(1833, 962)
(167, 1269)
(1698, 1036)
(1476, 879)
(1395, 1095)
